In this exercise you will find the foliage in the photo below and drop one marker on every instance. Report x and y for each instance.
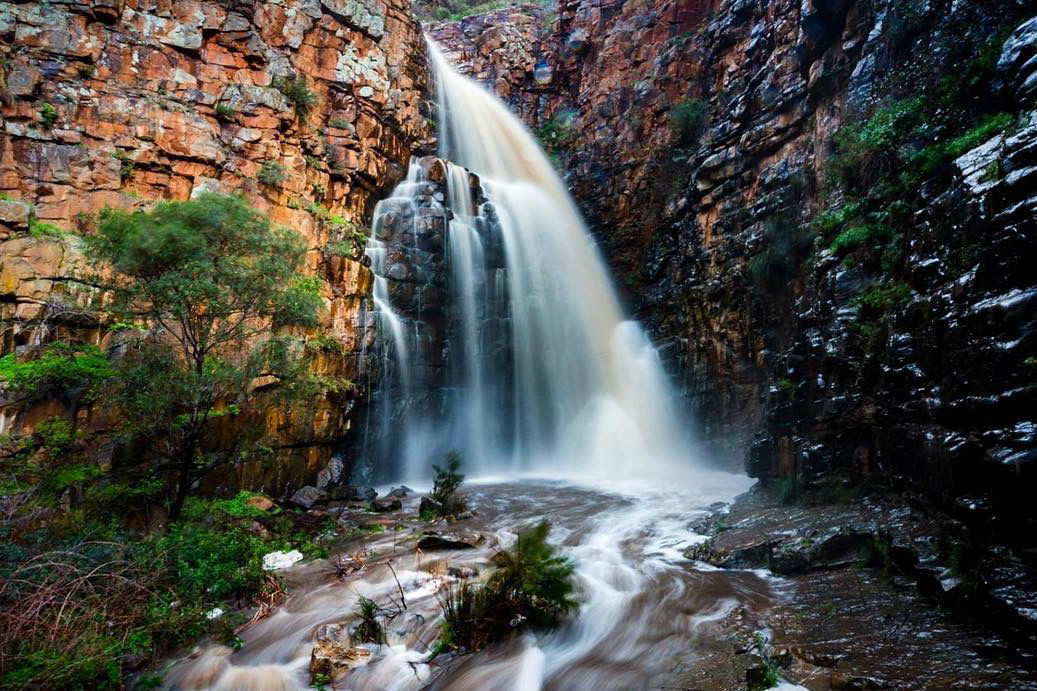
(444, 501)
(885, 297)
(531, 587)
(126, 164)
(688, 120)
(58, 367)
(225, 112)
(554, 136)
(769, 677)
(297, 90)
(786, 245)
(855, 237)
(86, 70)
(271, 173)
(211, 562)
(42, 229)
(369, 629)
(216, 280)
(460, 11)
(48, 115)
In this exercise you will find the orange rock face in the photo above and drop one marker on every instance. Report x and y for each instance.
(123, 103)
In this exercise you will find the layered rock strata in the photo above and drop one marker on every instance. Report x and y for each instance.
(125, 103)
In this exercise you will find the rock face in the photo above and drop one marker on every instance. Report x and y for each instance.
(121, 104)
(696, 135)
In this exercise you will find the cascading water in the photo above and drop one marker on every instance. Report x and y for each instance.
(577, 389)
(500, 336)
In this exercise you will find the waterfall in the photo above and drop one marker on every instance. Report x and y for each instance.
(519, 355)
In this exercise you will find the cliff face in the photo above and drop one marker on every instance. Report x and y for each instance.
(890, 338)
(124, 103)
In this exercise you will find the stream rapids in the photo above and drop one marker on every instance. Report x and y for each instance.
(645, 608)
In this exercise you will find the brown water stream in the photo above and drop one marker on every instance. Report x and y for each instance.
(646, 609)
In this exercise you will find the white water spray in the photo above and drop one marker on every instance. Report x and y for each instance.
(581, 390)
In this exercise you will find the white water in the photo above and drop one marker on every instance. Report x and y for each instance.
(582, 390)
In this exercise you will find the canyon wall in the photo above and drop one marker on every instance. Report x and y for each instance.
(710, 143)
(112, 103)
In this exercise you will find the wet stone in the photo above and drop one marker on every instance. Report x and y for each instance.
(306, 497)
(434, 541)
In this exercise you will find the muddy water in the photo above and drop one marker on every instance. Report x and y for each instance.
(645, 611)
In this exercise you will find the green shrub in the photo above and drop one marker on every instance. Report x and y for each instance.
(865, 151)
(42, 229)
(212, 563)
(532, 587)
(126, 164)
(86, 70)
(58, 366)
(885, 297)
(444, 501)
(554, 136)
(369, 629)
(48, 114)
(835, 219)
(271, 173)
(688, 120)
(297, 90)
(856, 237)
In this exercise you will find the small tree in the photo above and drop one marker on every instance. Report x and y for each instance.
(211, 282)
(444, 501)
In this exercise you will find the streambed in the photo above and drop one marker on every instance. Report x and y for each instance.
(647, 610)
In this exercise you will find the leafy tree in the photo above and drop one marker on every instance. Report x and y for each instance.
(213, 282)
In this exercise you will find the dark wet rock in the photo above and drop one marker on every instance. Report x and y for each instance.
(350, 493)
(435, 540)
(386, 505)
(306, 497)
(401, 492)
(462, 572)
(429, 506)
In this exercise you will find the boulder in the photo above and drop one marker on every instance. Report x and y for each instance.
(307, 496)
(402, 492)
(333, 653)
(350, 493)
(386, 505)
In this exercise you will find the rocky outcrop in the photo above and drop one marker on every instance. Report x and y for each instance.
(125, 103)
(698, 139)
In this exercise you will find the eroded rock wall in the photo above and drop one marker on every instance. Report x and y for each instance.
(111, 103)
(696, 128)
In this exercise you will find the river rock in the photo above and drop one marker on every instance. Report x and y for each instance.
(401, 492)
(386, 505)
(333, 653)
(306, 497)
(351, 493)
(435, 540)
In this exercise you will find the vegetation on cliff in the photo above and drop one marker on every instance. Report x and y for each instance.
(206, 293)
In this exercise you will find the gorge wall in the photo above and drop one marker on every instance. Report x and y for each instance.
(821, 210)
(125, 103)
